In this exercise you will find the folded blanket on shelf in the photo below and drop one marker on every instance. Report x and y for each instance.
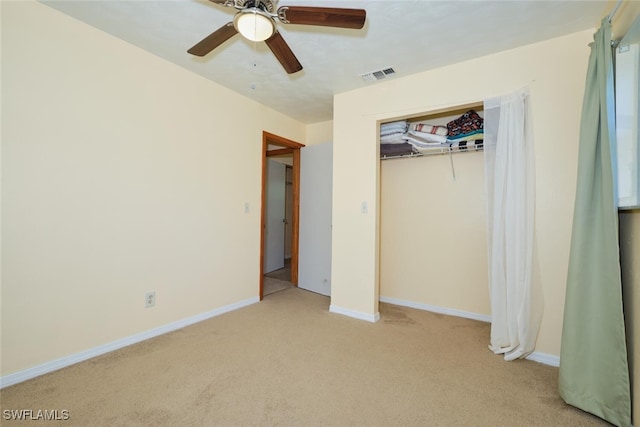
(419, 142)
(393, 124)
(470, 136)
(468, 122)
(393, 127)
(394, 138)
(432, 129)
(388, 150)
(392, 131)
(427, 137)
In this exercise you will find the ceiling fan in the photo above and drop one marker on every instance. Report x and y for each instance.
(256, 20)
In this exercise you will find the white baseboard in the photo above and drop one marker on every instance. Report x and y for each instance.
(355, 314)
(436, 309)
(547, 359)
(544, 358)
(63, 362)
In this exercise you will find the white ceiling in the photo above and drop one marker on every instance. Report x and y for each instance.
(410, 36)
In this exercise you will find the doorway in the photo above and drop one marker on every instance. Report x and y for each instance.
(273, 146)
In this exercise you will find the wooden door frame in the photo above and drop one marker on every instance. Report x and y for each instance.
(293, 148)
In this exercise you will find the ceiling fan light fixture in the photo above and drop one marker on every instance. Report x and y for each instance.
(254, 24)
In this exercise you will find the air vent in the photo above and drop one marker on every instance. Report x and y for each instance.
(378, 74)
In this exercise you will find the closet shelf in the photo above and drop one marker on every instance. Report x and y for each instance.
(439, 134)
(451, 149)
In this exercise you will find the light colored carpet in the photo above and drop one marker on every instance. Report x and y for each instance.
(277, 280)
(271, 285)
(288, 361)
(282, 273)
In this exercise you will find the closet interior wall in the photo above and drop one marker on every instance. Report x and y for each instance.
(433, 238)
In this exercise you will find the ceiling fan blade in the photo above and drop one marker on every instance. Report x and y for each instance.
(324, 16)
(214, 40)
(283, 53)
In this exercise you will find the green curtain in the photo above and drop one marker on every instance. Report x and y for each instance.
(594, 374)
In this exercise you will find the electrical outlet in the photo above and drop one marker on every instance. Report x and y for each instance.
(150, 299)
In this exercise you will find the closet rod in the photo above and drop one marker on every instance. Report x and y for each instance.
(434, 153)
(615, 9)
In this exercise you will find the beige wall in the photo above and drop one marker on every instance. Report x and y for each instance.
(319, 133)
(433, 232)
(554, 69)
(630, 262)
(121, 174)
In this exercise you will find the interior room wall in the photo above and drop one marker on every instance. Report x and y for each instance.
(630, 263)
(121, 174)
(555, 71)
(318, 133)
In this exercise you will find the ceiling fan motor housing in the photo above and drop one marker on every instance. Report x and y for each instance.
(265, 5)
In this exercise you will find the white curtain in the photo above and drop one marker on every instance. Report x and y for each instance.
(515, 292)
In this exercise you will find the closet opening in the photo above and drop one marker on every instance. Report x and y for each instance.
(433, 221)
